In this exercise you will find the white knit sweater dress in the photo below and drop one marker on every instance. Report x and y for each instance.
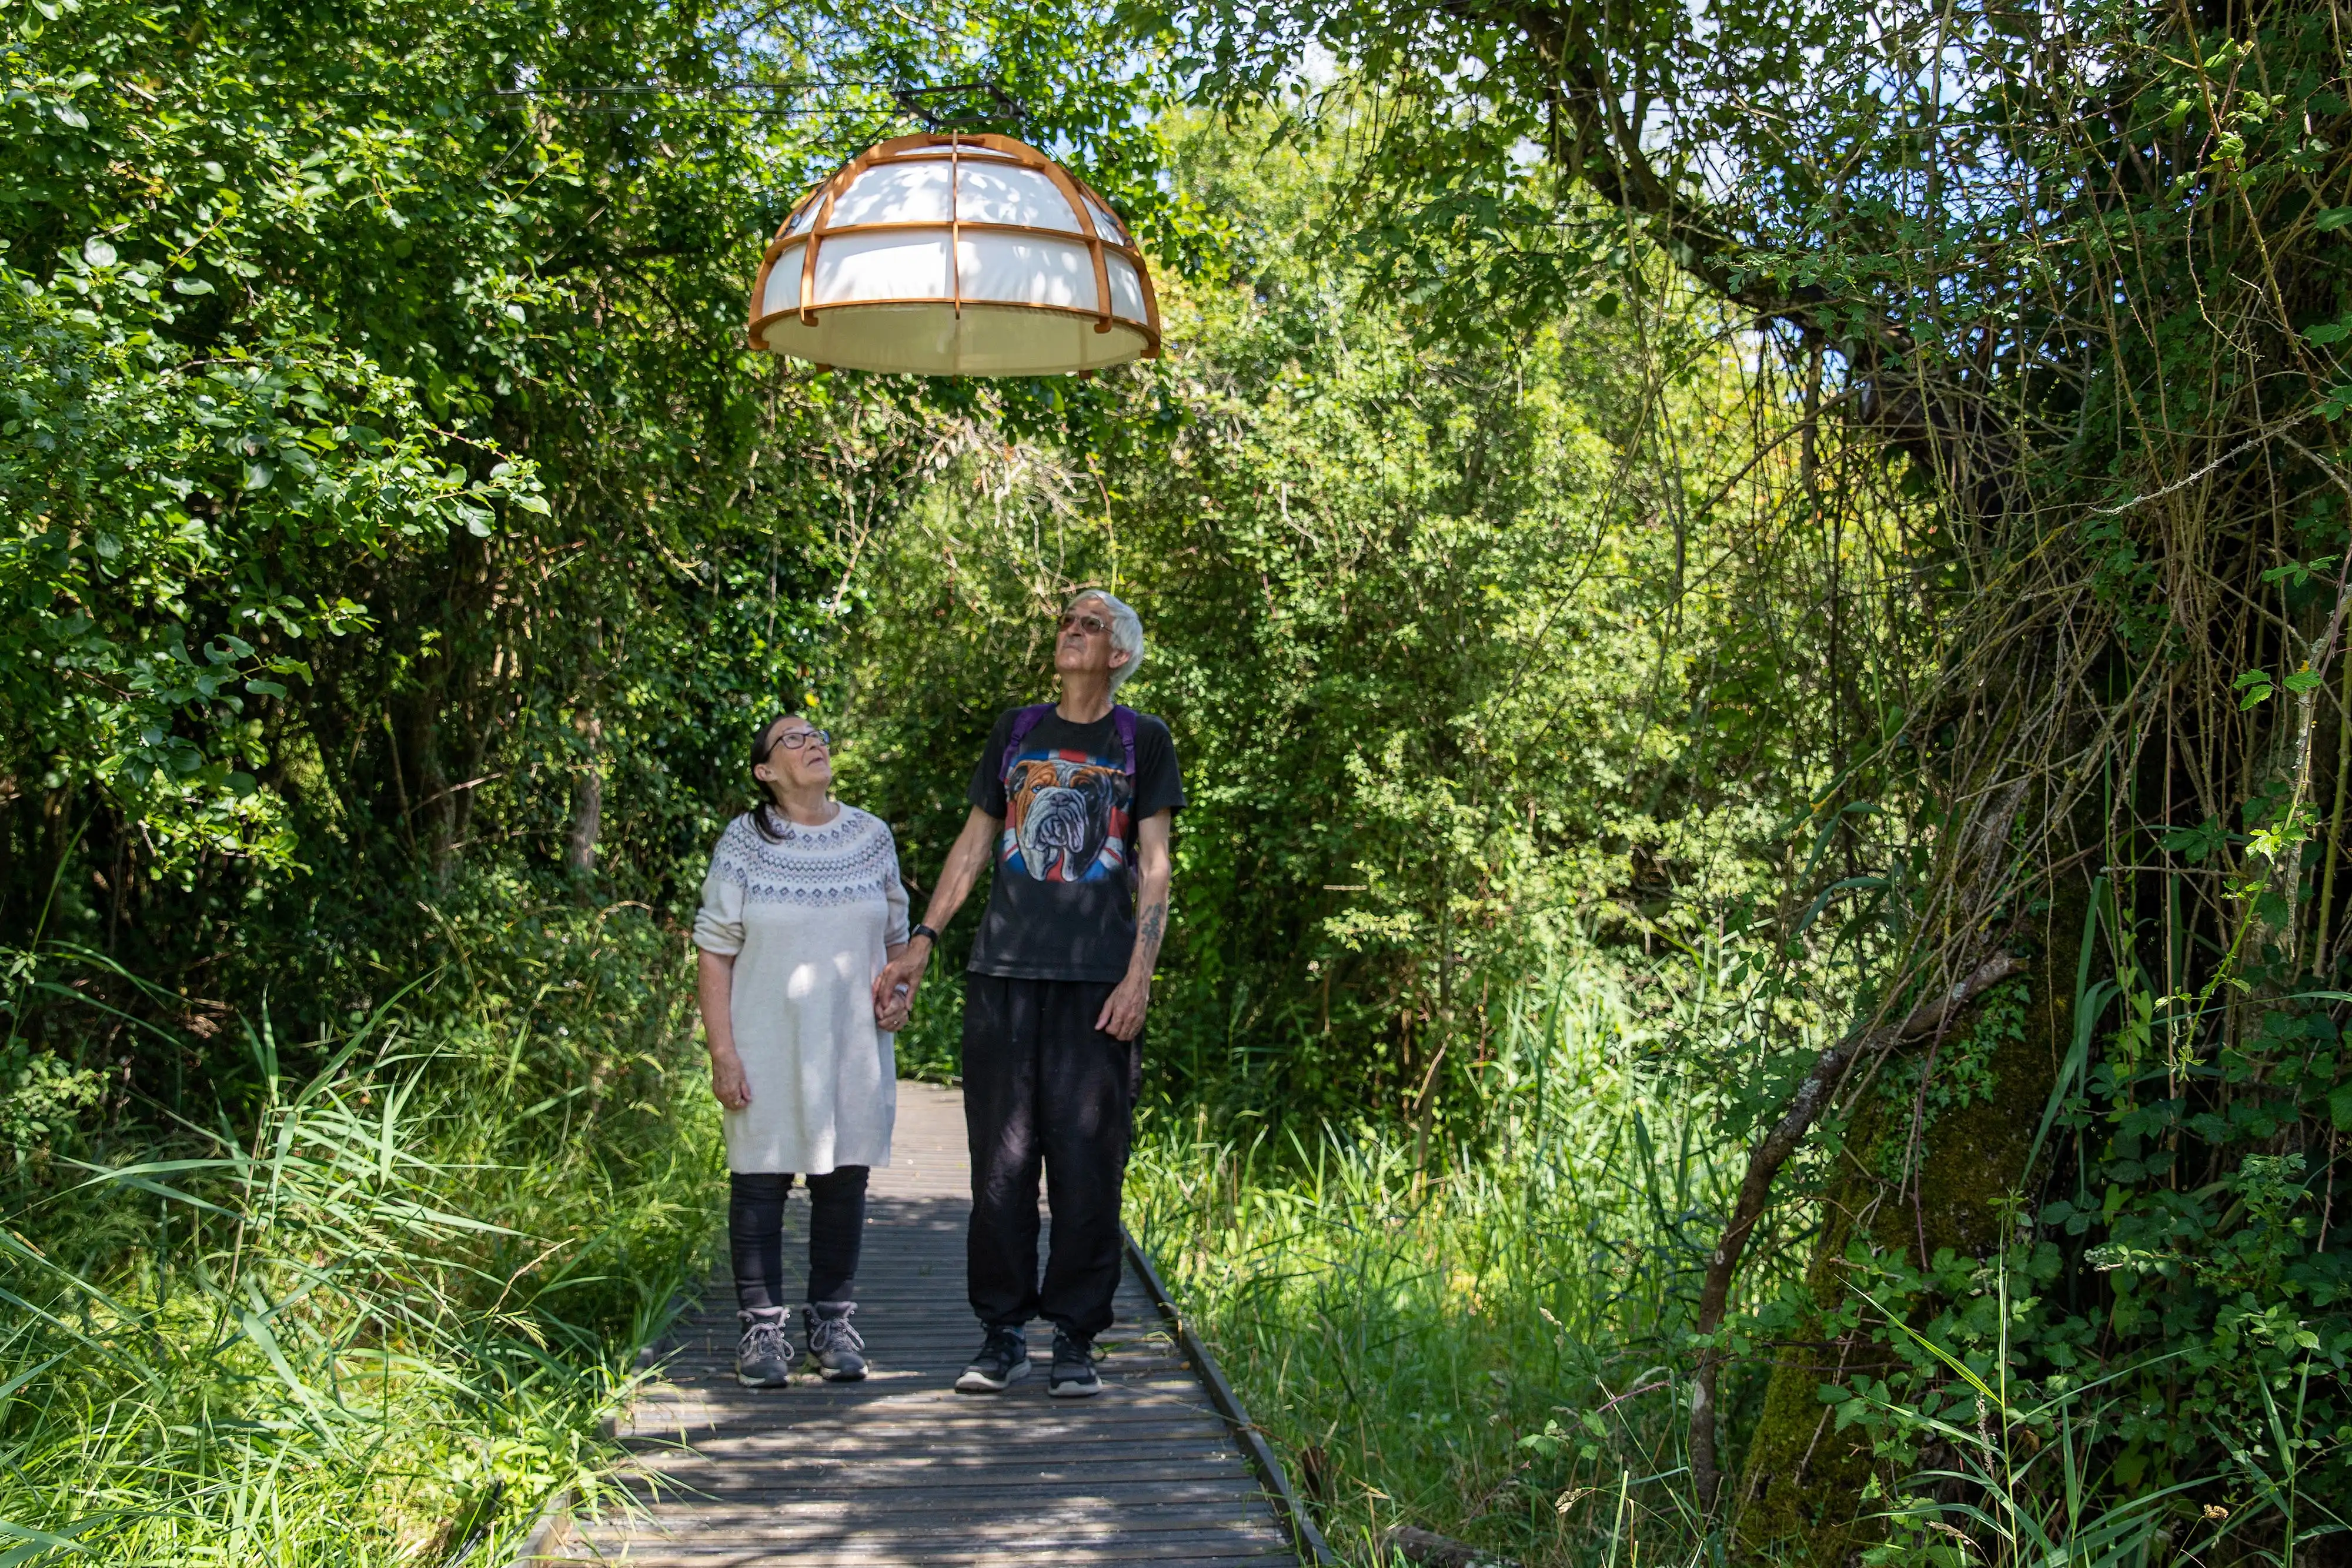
(808, 921)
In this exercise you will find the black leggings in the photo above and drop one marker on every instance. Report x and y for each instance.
(755, 1234)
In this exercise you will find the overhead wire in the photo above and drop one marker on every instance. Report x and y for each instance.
(913, 102)
(560, 89)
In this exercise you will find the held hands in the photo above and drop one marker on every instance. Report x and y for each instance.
(727, 1084)
(1122, 1016)
(902, 977)
(895, 986)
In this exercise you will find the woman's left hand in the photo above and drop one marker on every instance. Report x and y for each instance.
(727, 1082)
(890, 1013)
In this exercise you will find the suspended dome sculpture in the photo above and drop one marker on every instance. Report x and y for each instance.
(1045, 279)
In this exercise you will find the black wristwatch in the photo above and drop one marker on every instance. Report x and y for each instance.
(924, 931)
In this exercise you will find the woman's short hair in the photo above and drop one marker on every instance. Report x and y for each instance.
(1126, 632)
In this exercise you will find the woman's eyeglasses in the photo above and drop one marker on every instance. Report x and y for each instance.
(1092, 625)
(793, 739)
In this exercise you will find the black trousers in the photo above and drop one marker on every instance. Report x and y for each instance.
(1041, 1083)
(755, 1234)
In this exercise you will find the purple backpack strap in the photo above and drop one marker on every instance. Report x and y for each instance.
(1122, 721)
(1024, 722)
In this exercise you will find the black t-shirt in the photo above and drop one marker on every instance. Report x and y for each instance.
(1062, 906)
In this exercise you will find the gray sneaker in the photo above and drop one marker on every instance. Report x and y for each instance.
(1074, 1376)
(764, 1358)
(832, 1344)
(1002, 1360)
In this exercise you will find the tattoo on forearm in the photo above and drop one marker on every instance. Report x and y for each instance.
(1149, 929)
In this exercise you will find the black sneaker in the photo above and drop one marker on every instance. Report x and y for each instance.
(832, 1344)
(1073, 1376)
(764, 1358)
(1002, 1360)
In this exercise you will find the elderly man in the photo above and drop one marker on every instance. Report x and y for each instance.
(1072, 800)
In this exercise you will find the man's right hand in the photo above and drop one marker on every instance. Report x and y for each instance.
(907, 970)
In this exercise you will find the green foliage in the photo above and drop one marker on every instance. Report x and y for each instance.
(397, 547)
(39, 1095)
(1953, 1076)
(360, 1316)
(140, 480)
(385, 476)
(1470, 655)
(1804, 490)
(2070, 271)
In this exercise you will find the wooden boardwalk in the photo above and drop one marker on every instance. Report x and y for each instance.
(901, 1468)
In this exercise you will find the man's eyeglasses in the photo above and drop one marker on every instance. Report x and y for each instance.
(1092, 625)
(793, 739)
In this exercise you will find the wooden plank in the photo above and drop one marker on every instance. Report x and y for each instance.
(1123, 1445)
(874, 1551)
(845, 1482)
(921, 1552)
(703, 1426)
(1144, 1513)
(709, 1424)
(851, 1528)
(1141, 1514)
(1082, 1509)
(1261, 1453)
(913, 1554)
(879, 1475)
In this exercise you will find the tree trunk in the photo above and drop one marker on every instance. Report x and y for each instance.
(588, 801)
(1800, 1496)
(1936, 1014)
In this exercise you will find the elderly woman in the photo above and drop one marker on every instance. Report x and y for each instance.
(801, 909)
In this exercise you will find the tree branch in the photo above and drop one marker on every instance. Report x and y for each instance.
(1930, 1017)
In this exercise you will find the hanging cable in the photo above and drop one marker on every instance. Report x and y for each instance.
(916, 102)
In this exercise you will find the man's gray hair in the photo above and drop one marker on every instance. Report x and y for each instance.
(1126, 632)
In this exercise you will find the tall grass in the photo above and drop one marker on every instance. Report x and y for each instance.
(1489, 1345)
(370, 1311)
(1491, 1341)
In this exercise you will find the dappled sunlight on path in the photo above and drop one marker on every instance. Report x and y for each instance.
(901, 1468)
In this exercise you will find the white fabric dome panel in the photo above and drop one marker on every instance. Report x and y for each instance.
(894, 193)
(1021, 196)
(947, 254)
(1107, 225)
(933, 340)
(1126, 288)
(1017, 270)
(888, 266)
(783, 290)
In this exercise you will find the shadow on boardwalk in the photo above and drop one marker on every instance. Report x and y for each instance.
(901, 1468)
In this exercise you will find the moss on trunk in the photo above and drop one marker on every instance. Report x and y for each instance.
(1800, 1493)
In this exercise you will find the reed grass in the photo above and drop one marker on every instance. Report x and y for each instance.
(370, 1308)
(1483, 1341)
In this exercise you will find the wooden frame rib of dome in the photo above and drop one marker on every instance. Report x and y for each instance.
(936, 226)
